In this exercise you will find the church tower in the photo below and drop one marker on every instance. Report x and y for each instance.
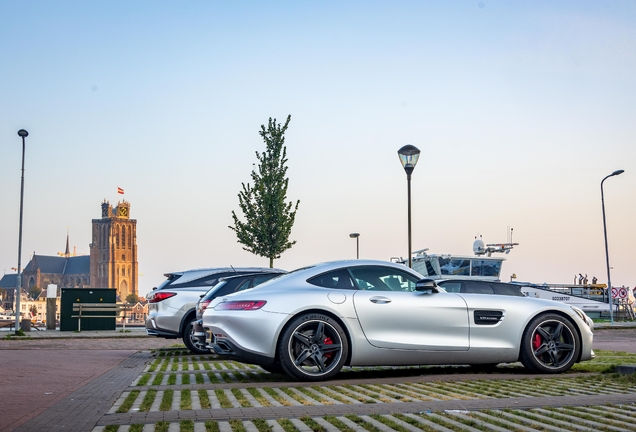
(114, 250)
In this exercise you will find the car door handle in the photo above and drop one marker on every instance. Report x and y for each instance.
(380, 300)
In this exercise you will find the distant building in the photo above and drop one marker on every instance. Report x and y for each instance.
(7, 288)
(113, 259)
(112, 262)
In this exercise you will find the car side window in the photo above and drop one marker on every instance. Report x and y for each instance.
(452, 287)
(338, 279)
(383, 279)
(511, 290)
(472, 287)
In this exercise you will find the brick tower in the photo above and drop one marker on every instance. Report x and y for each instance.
(114, 250)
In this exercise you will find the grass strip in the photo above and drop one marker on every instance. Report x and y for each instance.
(186, 426)
(162, 426)
(128, 402)
(258, 396)
(213, 378)
(262, 425)
(148, 400)
(172, 379)
(185, 379)
(277, 397)
(186, 400)
(338, 424)
(204, 399)
(137, 427)
(240, 397)
(166, 401)
(390, 423)
(357, 420)
(111, 428)
(144, 379)
(287, 425)
(237, 426)
(158, 379)
(313, 424)
(211, 426)
(223, 399)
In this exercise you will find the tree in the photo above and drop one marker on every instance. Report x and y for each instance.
(131, 298)
(268, 218)
(33, 310)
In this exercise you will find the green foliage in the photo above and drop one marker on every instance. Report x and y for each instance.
(268, 217)
(132, 298)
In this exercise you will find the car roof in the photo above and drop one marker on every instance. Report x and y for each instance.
(333, 265)
(190, 275)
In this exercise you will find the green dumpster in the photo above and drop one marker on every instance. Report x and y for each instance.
(86, 295)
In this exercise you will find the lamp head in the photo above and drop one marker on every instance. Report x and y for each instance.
(617, 172)
(354, 235)
(409, 154)
(23, 133)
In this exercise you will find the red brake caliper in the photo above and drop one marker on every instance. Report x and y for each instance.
(328, 341)
(536, 341)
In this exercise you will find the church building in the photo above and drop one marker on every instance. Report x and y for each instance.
(113, 252)
(112, 262)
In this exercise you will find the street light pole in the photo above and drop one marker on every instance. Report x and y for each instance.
(609, 279)
(357, 237)
(23, 134)
(409, 155)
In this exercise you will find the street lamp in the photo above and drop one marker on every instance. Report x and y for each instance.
(609, 279)
(22, 133)
(357, 237)
(409, 155)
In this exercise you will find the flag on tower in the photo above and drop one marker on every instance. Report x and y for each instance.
(120, 190)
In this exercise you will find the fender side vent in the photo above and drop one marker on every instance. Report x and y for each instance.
(488, 317)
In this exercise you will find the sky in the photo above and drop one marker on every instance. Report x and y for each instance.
(520, 109)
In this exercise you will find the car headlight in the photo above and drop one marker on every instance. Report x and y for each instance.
(581, 315)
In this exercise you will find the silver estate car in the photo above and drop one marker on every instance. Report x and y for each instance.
(311, 322)
(172, 305)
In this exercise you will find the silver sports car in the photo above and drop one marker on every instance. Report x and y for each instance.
(313, 321)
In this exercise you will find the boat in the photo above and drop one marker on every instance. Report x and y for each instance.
(481, 266)
(591, 298)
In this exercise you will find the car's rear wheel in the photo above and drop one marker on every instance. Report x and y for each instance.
(192, 343)
(313, 347)
(550, 344)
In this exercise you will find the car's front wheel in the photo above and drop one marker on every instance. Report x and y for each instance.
(313, 348)
(550, 344)
(192, 343)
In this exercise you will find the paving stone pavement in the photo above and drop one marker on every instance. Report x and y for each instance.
(89, 372)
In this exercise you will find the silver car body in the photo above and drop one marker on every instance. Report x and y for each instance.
(169, 318)
(384, 327)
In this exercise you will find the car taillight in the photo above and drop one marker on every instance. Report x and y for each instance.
(204, 305)
(241, 305)
(160, 296)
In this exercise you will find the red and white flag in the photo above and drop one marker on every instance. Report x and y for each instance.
(120, 190)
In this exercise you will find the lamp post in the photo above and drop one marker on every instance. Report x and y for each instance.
(409, 155)
(609, 279)
(23, 134)
(357, 237)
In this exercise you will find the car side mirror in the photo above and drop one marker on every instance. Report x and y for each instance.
(426, 285)
(201, 296)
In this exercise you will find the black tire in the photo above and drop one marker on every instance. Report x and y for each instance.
(193, 344)
(550, 344)
(313, 347)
